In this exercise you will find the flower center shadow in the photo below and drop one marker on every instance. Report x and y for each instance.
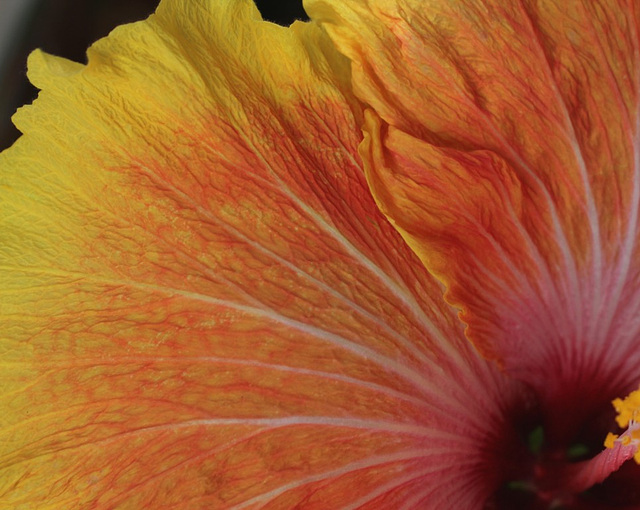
(543, 467)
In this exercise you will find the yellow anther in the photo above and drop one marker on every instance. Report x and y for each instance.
(628, 410)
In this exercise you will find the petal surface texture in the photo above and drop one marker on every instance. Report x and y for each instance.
(505, 148)
(202, 306)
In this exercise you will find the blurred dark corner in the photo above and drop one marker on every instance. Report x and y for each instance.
(67, 27)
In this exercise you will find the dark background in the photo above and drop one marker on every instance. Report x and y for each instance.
(67, 27)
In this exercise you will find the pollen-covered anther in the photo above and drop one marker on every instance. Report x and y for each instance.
(628, 410)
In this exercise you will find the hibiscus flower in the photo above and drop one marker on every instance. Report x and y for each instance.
(217, 294)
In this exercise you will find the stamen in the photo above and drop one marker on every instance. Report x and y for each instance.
(580, 476)
(628, 410)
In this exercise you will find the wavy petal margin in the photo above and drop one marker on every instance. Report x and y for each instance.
(202, 306)
(505, 146)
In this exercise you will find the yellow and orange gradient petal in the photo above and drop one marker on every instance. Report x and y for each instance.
(201, 305)
(504, 143)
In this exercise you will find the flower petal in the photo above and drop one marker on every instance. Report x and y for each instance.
(505, 146)
(202, 306)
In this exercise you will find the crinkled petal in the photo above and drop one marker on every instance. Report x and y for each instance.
(505, 146)
(202, 306)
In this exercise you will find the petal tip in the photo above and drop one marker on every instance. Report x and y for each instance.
(42, 67)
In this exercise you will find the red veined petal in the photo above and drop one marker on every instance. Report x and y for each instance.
(505, 147)
(202, 306)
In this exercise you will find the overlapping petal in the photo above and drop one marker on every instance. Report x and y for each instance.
(202, 306)
(505, 146)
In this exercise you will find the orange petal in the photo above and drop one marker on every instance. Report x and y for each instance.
(202, 306)
(505, 147)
